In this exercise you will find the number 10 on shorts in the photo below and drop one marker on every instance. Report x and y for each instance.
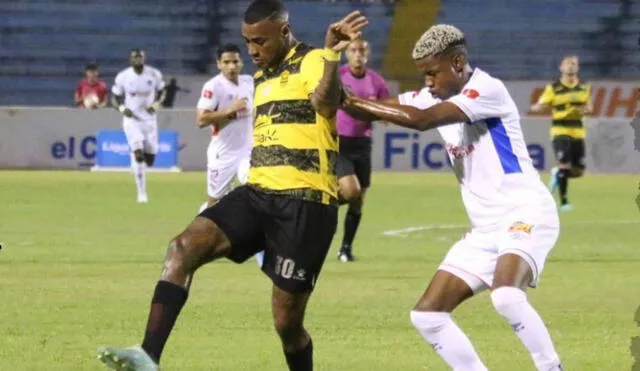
(284, 267)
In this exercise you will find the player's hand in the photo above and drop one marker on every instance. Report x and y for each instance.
(341, 33)
(128, 113)
(238, 105)
(154, 107)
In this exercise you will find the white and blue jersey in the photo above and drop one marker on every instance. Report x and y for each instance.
(488, 154)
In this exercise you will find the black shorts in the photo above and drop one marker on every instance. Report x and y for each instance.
(294, 234)
(355, 158)
(569, 150)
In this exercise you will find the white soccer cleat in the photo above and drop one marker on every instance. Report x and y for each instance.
(126, 359)
(143, 199)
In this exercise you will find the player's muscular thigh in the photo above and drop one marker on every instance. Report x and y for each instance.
(200, 243)
(444, 293)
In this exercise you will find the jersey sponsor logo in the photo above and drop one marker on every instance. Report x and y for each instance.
(284, 78)
(460, 151)
(140, 94)
(207, 94)
(263, 138)
(471, 93)
(520, 227)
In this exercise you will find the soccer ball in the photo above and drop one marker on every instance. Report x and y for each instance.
(91, 100)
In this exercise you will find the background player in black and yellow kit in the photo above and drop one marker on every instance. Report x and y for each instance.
(569, 100)
(288, 207)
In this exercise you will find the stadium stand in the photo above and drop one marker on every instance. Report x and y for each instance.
(45, 43)
(527, 41)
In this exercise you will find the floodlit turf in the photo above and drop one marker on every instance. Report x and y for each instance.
(80, 259)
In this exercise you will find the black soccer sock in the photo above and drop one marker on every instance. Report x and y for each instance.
(563, 184)
(168, 300)
(302, 359)
(351, 223)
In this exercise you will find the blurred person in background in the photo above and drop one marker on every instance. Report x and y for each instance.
(138, 93)
(91, 92)
(354, 161)
(172, 89)
(570, 101)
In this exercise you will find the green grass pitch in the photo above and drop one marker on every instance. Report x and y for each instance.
(80, 259)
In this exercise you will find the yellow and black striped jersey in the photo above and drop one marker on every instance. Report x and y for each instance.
(294, 148)
(567, 105)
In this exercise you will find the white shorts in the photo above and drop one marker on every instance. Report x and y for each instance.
(141, 135)
(531, 235)
(220, 175)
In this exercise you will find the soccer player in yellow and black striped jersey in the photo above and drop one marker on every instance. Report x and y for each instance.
(288, 207)
(569, 100)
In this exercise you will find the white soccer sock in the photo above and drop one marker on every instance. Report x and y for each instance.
(448, 340)
(140, 175)
(512, 304)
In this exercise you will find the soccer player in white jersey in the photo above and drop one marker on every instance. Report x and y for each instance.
(513, 216)
(225, 106)
(138, 93)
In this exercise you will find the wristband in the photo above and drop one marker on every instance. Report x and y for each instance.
(121, 108)
(156, 106)
(331, 55)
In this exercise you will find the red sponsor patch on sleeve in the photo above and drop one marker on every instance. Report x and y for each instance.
(471, 93)
(207, 94)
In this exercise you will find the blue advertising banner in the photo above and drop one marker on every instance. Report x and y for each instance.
(113, 152)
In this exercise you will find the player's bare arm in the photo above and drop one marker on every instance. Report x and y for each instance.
(326, 98)
(441, 114)
(540, 107)
(220, 117)
(117, 101)
(366, 116)
(160, 96)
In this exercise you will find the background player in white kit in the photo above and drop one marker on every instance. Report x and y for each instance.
(138, 93)
(226, 106)
(514, 219)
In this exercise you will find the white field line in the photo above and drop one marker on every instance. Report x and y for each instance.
(408, 230)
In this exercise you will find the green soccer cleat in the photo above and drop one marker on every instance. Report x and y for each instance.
(127, 359)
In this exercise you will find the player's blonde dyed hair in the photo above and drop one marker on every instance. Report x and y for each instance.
(436, 40)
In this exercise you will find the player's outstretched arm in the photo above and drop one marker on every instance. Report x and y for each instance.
(441, 114)
(539, 107)
(208, 117)
(366, 116)
(544, 102)
(327, 95)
